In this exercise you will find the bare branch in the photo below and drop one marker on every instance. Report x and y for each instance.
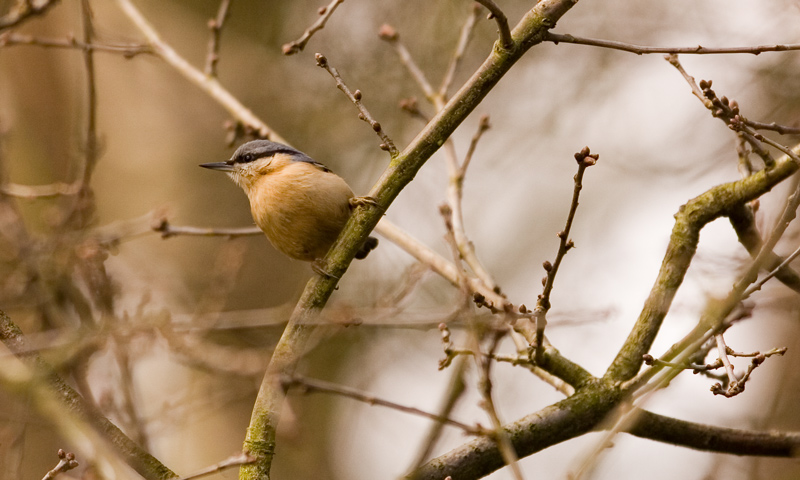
(298, 45)
(643, 50)
(168, 230)
(307, 385)
(355, 97)
(215, 25)
(10, 39)
(388, 34)
(483, 126)
(722, 348)
(585, 160)
(719, 107)
(461, 47)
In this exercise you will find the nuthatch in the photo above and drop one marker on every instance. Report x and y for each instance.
(297, 202)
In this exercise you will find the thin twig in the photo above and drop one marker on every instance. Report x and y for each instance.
(215, 25)
(781, 129)
(487, 403)
(483, 126)
(209, 85)
(461, 47)
(585, 160)
(307, 385)
(502, 22)
(127, 50)
(84, 209)
(643, 50)
(695, 367)
(355, 97)
(722, 350)
(388, 34)
(738, 124)
(757, 285)
(775, 351)
(460, 240)
(736, 387)
(236, 460)
(719, 107)
(298, 45)
(455, 193)
(168, 230)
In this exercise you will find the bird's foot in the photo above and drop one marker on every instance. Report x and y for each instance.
(359, 201)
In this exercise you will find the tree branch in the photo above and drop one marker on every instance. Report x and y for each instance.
(644, 50)
(402, 169)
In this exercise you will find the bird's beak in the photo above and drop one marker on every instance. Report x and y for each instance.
(219, 166)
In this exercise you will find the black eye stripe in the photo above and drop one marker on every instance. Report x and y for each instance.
(251, 157)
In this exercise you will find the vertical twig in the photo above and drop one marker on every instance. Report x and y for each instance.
(585, 160)
(215, 25)
(461, 47)
(484, 361)
(390, 35)
(91, 95)
(455, 194)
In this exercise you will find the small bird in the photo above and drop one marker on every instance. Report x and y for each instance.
(300, 204)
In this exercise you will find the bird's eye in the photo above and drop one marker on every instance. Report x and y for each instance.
(247, 157)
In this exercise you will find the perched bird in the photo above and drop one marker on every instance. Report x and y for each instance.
(297, 202)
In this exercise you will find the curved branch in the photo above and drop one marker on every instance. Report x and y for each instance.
(689, 220)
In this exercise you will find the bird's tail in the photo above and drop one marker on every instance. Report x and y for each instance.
(369, 245)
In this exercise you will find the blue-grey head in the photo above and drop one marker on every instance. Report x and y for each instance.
(259, 157)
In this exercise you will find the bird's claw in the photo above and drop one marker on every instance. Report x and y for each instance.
(358, 201)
